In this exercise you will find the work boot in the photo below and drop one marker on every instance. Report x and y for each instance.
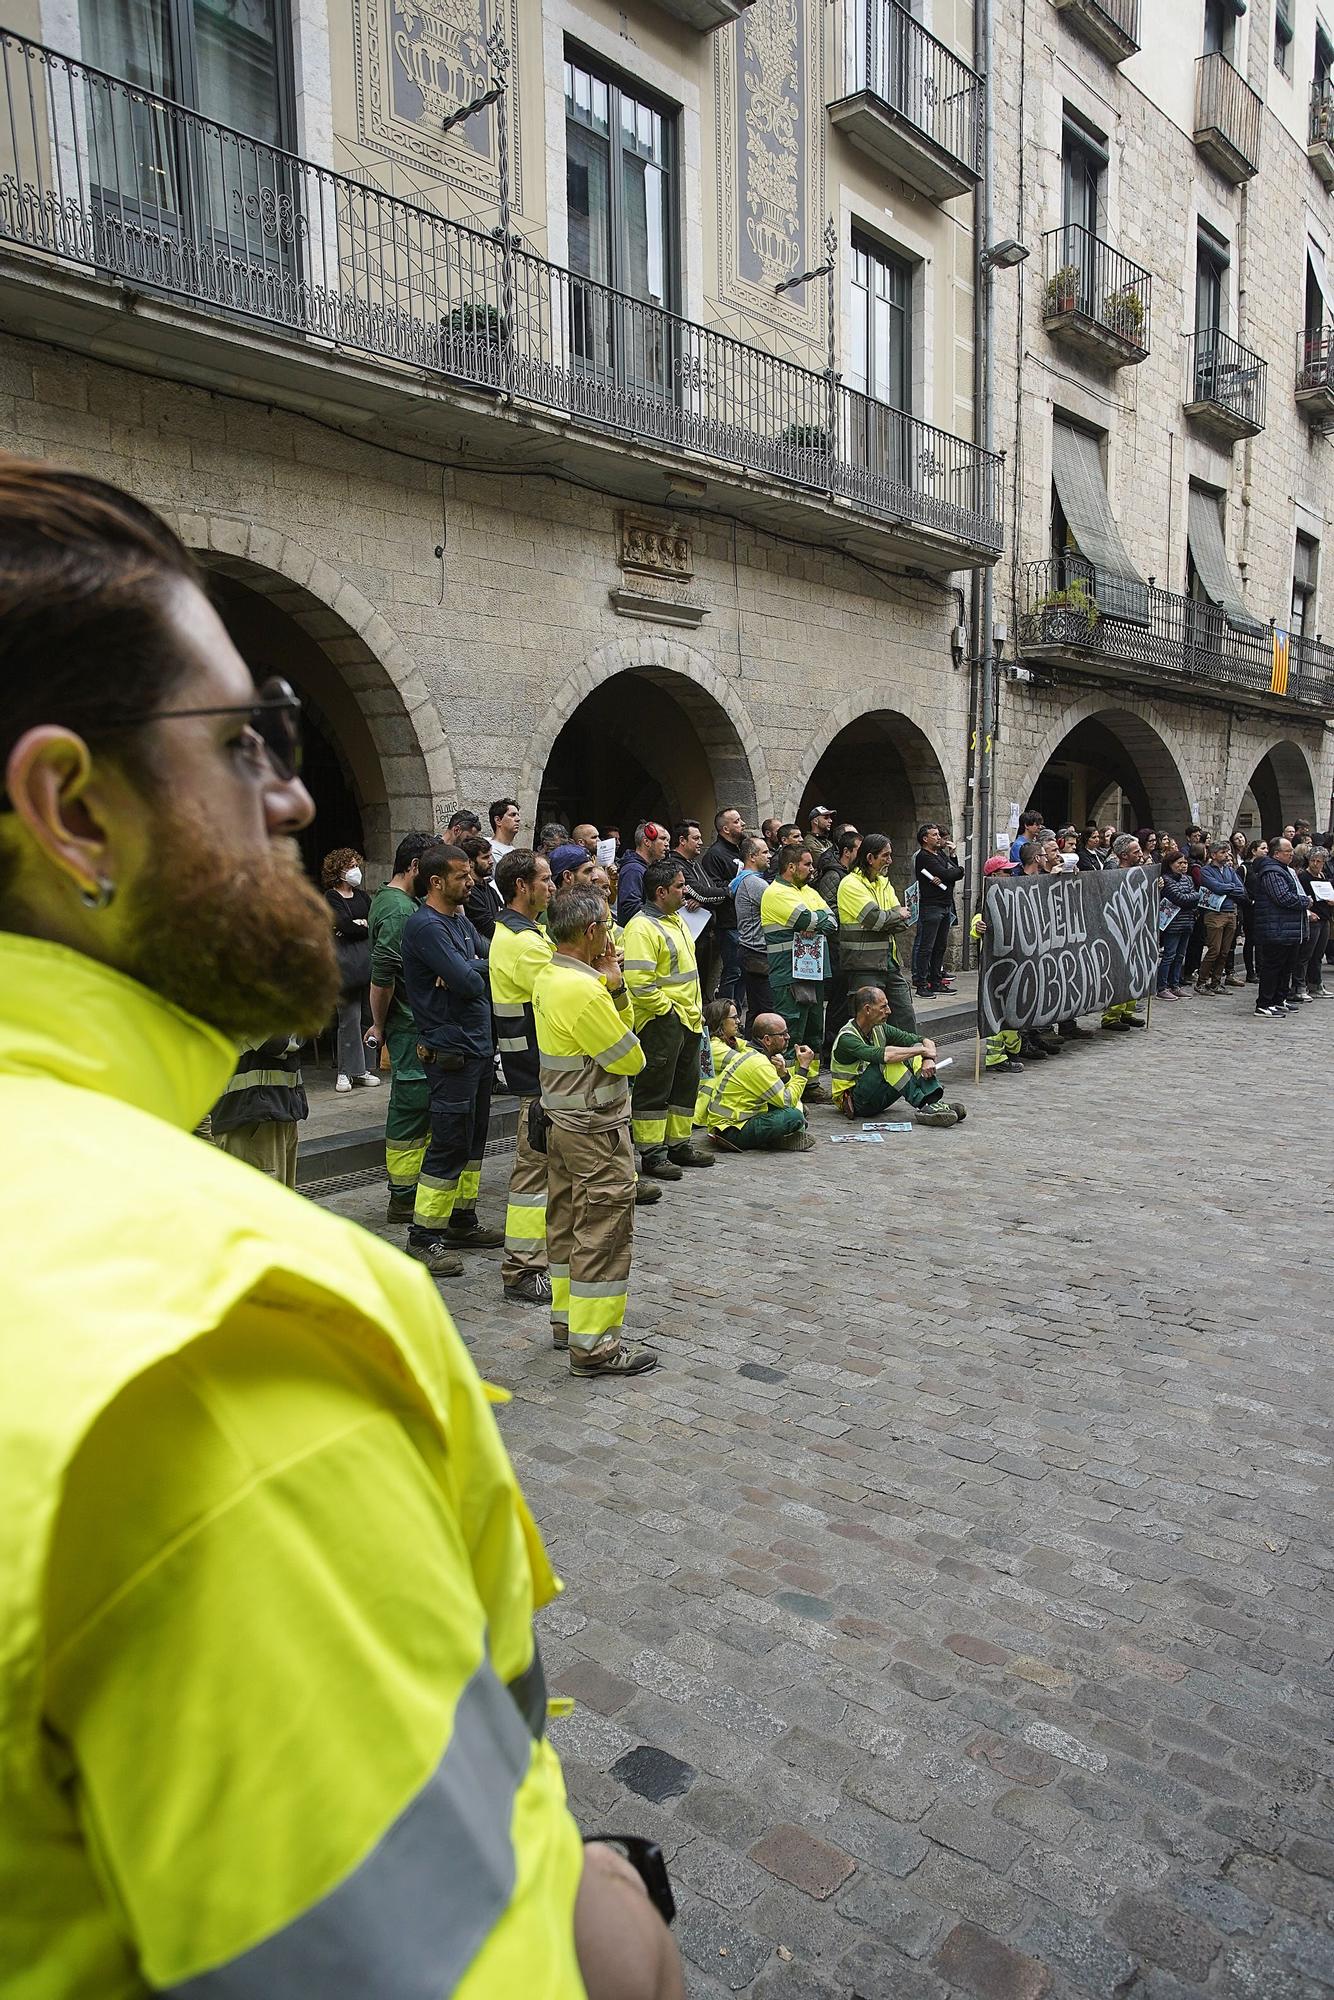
(470, 1235)
(627, 1359)
(724, 1142)
(533, 1288)
(440, 1262)
(815, 1092)
(794, 1142)
(1033, 1049)
(688, 1154)
(1133, 1021)
(656, 1163)
(937, 1114)
(1070, 1031)
(960, 1112)
(646, 1193)
(402, 1203)
(1233, 980)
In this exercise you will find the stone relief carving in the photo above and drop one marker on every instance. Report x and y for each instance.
(651, 549)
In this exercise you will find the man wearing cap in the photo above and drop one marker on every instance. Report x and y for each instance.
(650, 846)
(822, 821)
(1004, 1048)
(571, 866)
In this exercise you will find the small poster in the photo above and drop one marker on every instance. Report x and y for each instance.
(808, 957)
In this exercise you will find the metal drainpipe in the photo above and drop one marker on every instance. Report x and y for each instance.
(985, 345)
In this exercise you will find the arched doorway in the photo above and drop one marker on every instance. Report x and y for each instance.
(881, 771)
(648, 742)
(374, 765)
(1280, 791)
(1111, 765)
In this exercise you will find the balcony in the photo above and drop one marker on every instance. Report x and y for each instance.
(1320, 133)
(1096, 300)
(1184, 644)
(1315, 377)
(1111, 25)
(706, 15)
(1225, 386)
(143, 229)
(909, 101)
(1227, 119)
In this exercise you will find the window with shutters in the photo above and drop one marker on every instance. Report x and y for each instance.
(1283, 38)
(1305, 566)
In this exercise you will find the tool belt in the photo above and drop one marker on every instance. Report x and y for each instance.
(442, 1058)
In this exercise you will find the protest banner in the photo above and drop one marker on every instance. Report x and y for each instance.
(1056, 946)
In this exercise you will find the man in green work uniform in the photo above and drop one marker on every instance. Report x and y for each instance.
(408, 1123)
(797, 927)
(874, 1064)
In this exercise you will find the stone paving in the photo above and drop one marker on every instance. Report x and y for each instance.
(954, 1602)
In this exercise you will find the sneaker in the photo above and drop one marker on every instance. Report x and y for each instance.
(342, 1083)
(1164, 993)
(659, 1166)
(688, 1154)
(1266, 1013)
(723, 1142)
(471, 1236)
(937, 1114)
(1232, 980)
(945, 986)
(960, 1112)
(1295, 1000)
(532, 1289)
(1177, 992)
(1014, 1064)
(440, 1262)
(1315, 992)
(402, 1203)
(626, 1360)
(370, 1080)
(646, 1193)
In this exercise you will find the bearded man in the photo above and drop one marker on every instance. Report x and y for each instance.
(270, 1701)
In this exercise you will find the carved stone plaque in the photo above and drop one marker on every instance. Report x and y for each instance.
(654, 548)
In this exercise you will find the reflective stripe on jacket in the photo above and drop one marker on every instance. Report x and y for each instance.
(866, 922)
(853, 1053)
(267, 1579)
(785, 912)
(519, 950)
(265, 1088)
(587, 1049)
(747, 1084)
(660, 969)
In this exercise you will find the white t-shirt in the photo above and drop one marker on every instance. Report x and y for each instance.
(499, 849)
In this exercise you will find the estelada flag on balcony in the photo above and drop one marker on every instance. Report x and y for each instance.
(1278, 680)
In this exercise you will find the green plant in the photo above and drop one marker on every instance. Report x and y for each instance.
(805, 437)
(1063, 289)
(1076, 597)
(475, 320)
(1123, 311)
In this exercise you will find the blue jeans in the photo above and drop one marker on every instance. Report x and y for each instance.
(1171, 964)
(730, 984)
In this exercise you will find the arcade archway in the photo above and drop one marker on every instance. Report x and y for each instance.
(1281, 790)
(881, 771)
(1110, 766)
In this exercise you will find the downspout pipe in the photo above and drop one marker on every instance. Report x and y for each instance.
(985, 371)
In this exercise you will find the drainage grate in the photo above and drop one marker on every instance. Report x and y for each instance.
(341, 1183)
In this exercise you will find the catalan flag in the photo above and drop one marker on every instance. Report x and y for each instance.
(1278, 680)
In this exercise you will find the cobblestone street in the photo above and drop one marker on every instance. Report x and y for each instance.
(953, 1603)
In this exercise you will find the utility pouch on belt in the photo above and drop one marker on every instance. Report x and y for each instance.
(804, 994)
(538, 1126)
(443, 1059)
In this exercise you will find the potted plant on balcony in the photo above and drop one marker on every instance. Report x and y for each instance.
(807, 441)
(1063, 617)
(471, 338)
(1063, 290)
(1123, 314)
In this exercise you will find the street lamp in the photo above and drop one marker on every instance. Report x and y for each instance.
(1003, 256)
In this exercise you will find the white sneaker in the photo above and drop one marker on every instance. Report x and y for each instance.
(343, 1083)
(371, 1081)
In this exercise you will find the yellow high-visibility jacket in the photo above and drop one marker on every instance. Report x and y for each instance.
(586, 1048)
(660, 969)
(748, 1083)
(869, 915)
(270, 1700)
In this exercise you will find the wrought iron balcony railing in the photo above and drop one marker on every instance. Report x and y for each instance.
(890, 54)
(1315, 377)
(129, 187)
(1104, 294)
(1226, 382)
(1184, 641)
(1111, 25)
(1321, 129)
(1227, 118)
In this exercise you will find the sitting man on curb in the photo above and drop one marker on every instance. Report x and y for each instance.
(753, 1103)
(875, 1064)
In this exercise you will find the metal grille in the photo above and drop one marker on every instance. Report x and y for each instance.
(1321, 129)
(893, 56)
(1315, 359)
(1184, 640)
(1225, 104)
(1086, 277)
(1223, 372)
(130, 187)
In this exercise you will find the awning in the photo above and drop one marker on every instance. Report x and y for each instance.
(1204, 531)
(1077, 469)
(1315, 256)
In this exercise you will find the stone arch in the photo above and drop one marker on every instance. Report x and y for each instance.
(364, 690)
(1151, 757)
(698, 740)
(1282, 782)
(878, 767)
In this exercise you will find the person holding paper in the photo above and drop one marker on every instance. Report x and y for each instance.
(662, 978)
(1312, 873)
(706, 901)
(797, 927)
(875, 1064)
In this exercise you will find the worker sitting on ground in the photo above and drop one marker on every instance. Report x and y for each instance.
(754, 1101)
(874, 1064)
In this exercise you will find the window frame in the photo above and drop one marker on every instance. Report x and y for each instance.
(620, 84)
(1307, 591)
(860, 244)
(183, 88)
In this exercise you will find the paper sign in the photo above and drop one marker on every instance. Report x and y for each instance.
(1322, 891)
(871, 1125)
(606, 853)
(808, 957)
(858, 1138)
(695, 920)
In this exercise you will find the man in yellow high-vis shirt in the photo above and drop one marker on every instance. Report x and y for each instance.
(520, 948)
(271, 1709)
(663, 979)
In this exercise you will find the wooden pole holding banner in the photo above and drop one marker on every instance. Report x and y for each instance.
(977, 1062)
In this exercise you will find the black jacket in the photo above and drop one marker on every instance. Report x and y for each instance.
(721, 863)
(829, 875)
(483, 906)
(948, 872)
(265, 1089)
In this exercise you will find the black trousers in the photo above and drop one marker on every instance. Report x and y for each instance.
(759, 994)
(452, 1169)
(933, 934)
(1278, 963)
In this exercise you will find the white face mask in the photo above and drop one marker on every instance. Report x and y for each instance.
(352, 876)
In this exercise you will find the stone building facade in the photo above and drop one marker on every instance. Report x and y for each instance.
(1111, 168)
(588, 516)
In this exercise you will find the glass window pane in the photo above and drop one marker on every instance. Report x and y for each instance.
(133, 162)
(237, 56)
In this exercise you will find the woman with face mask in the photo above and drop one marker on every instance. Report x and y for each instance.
(341, 879)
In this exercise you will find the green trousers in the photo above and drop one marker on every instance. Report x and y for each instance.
(407, 1125)
(873, 1091)
(766, 1128)
(804, 1023)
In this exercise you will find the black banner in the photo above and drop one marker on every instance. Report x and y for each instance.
(1060, 945)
